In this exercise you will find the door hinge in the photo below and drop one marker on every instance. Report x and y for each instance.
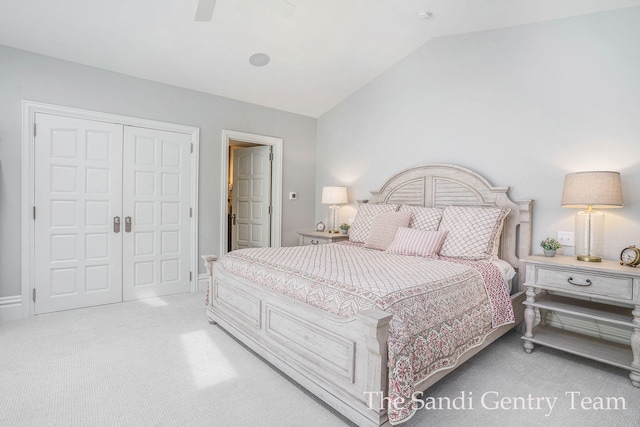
(34, 294)
(190, 212)
(34, 212)
(34, 130)
(271, 156)
(190, 276)
(192, 147)
(269, 210)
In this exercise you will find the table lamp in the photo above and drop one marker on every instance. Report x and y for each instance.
(334, 196)
(589, 190)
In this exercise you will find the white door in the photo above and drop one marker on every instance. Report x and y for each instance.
(112, 213)
(78, 175)
(156, 212)
(251, 219)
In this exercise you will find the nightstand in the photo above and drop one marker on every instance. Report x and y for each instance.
(602, 291)
(320, 237)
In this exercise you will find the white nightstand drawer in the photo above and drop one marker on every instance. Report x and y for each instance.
(307, 240)
(585, 282)
(320, 237)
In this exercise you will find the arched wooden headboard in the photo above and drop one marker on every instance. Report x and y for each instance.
(444, 185)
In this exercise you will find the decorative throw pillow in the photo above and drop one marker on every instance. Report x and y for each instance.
(384, 228)
(423, 218)
(364, 217)
(415, 242)
(473, 231)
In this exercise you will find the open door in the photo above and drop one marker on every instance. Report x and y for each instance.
(251, 198)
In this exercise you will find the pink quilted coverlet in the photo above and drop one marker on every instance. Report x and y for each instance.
(440, 308)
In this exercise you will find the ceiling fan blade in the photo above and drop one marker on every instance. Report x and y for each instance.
(204, 12)
(283, 8)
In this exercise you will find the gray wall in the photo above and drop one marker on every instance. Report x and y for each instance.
(25, 75)
(522, 106)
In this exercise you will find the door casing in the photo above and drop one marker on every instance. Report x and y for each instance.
(29, 110)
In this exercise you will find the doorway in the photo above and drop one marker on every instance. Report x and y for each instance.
(251, 193)
(249, 216)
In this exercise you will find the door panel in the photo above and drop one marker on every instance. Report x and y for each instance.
(78, 171)
(251, 197)
(156, 194)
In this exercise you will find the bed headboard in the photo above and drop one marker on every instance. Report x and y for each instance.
(443, 185)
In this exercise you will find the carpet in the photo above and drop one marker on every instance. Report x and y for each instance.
(158, 362)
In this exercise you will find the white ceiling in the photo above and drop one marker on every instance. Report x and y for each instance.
(320, 55)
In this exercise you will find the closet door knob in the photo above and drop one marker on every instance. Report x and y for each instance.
(127, 224)
(116, 224)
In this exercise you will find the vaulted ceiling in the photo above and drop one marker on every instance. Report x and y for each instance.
(320, 51)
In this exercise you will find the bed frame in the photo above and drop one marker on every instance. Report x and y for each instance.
(340, 358)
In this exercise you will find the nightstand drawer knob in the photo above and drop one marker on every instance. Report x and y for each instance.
(315, 242)
(570, 280)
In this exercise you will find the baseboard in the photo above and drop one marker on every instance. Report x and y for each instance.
(203, 281)
(10, 309)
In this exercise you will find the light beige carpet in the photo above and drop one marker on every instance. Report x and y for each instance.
(158, 362)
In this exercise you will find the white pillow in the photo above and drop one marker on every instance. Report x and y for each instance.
(415, 242)
(474, 232)
(384, 227)
(364, 217)
(423, 218)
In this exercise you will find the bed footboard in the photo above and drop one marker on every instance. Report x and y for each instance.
(338, 359)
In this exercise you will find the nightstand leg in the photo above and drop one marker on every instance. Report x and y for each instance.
(635, 346)
(529, 318)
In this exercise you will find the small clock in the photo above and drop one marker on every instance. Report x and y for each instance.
(320, 226)
(630, 256)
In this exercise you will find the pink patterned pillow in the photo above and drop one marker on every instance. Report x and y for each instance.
(384, 228)
(423, 218)
(415, 242)
(364, 217)
(474, 232)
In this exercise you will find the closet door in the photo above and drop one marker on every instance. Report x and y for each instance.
(78, 202)
(156, 212)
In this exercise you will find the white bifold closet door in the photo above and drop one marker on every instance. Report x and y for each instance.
(112, 213)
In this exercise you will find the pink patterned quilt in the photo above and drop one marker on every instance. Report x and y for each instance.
(440, 308)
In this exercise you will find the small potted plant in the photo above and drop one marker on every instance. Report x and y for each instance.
(550, 246)
(344, 228)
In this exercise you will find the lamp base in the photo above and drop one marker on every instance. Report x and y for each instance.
(589, 236)
(589, 258)
(333, 219)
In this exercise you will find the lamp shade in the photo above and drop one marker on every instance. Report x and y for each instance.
(334, 195)
(592, 189)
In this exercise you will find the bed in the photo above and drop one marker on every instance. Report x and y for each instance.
(348, 354)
